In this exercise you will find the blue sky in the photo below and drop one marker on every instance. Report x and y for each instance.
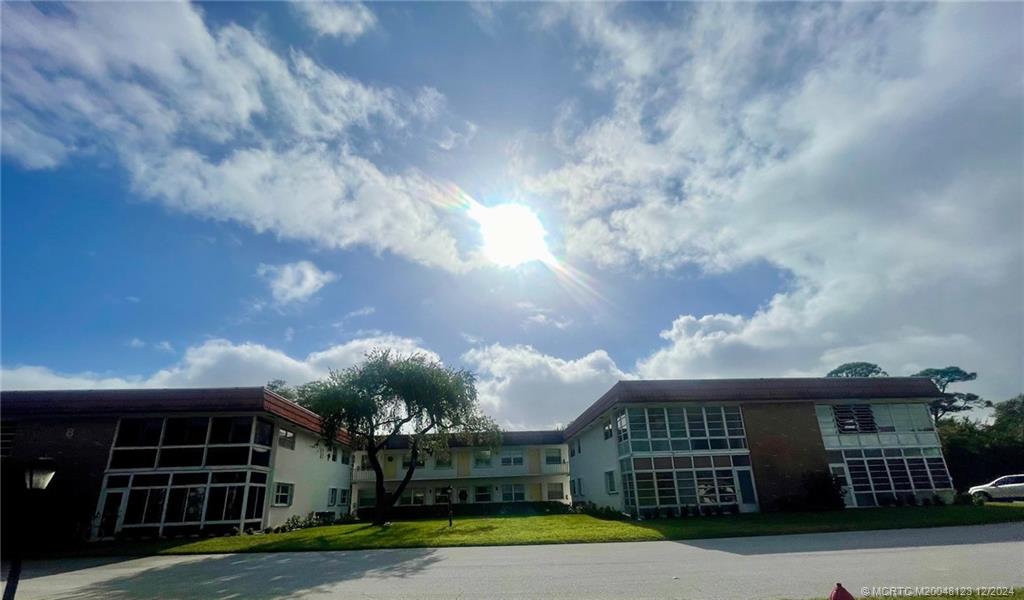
(228, 193)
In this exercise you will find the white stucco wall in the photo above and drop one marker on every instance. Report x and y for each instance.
(597, 455)
(311, 474)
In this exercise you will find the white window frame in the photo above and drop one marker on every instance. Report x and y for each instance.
(476, 493)
(332, 496)
(478, 463)
(512, 458)
(514, 489)
(289, 493)
(561, 490)
(549, 453)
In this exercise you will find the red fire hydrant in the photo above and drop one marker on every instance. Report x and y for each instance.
(840, 593)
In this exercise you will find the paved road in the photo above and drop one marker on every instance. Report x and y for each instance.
(795, 566)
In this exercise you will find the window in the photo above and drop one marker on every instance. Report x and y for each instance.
(579, 485)
(607, 429)
(513, 492)
(332, 496)
(407, 461)
(225, 503)
(552, 456)
(286, 438)
(579, 446)
(187, 431)
(413, 496)
(512, 458)
(482, 493)
(283, 494)
(260, 457)
(346, 457)
(133, 459)
(254, 505)
(264, 435)
(139, 432)
(609, 482)
(443, 460)
(343, 497)
(854, 418)
(181, 457)
(231, 430)
(482, 458)
(572, 487)
(232, 455)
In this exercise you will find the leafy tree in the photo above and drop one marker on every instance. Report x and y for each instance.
(388, 395)
(951, 402)
(857, 369)
(281, 388)
(1009, 421)
(977, 452)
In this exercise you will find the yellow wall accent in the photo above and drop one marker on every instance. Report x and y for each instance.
(390, 466)
(462, 463)
(533, 460)
(536, 492)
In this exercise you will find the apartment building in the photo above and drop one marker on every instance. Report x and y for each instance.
(530, 466)
(655, 447)
(172, 461)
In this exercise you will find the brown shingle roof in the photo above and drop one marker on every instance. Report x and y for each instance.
(43, 403)
(755, 390)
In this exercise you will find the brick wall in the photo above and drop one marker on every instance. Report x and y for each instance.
(785, 444)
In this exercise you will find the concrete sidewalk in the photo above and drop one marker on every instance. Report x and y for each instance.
(794, 566)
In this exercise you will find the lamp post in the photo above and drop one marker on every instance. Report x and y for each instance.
(38, 475)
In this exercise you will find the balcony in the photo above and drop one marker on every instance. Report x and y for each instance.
(362, 475)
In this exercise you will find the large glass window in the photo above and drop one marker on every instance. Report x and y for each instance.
(186, 431)
(482, 493)
(231, 430)
(556, 491)
(139, 432)
(552, 456)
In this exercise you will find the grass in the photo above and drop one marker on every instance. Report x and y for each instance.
(563, 529)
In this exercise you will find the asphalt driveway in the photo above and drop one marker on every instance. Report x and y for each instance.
(794, 566)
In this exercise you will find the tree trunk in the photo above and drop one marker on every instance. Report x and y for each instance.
(385, 500)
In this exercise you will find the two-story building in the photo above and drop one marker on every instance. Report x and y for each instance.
(171, 461)
(530, 466)
(657, 447)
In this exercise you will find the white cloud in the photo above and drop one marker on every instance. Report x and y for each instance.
(164, 346)
(217, 124)
(136, 343)
(540, 316)
(870, 152)
(361, 312)
(347, 20)
(218, 362)
(294, 282)
(522, 387)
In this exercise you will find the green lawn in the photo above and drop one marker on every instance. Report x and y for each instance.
(560, 529)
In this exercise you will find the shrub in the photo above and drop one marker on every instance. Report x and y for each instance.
(937, 500)
(345, 519)
(926, 502)
(963, 500)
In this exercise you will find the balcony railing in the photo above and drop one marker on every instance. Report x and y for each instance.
(360, 475)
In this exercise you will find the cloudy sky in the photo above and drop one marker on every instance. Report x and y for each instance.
(554, 196)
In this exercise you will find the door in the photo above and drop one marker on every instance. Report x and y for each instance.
(839, 472)
(461, 496)
(111, 515)
(747, 496)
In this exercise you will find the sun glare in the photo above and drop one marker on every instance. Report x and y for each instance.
(512, 234)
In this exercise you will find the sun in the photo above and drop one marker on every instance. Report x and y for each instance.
(512, 234)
